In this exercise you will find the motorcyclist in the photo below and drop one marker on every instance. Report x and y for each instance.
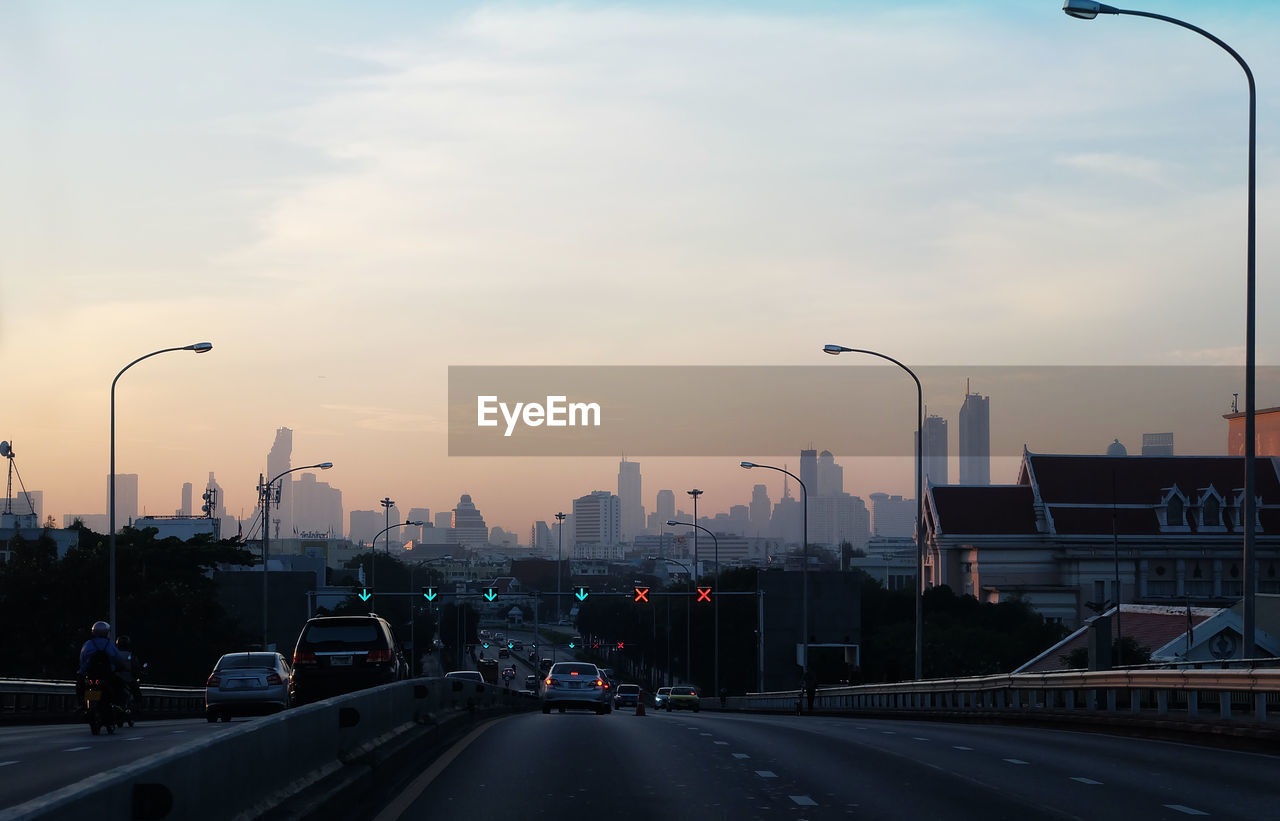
(99, 656)
(128, 672)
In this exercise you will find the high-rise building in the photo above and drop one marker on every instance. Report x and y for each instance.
(1157, 444)
(630, 500)
(785, 523)
(935, 450)
(444, 520)
(540, 537)
(126, 498)
(739, 520)
(975, 439)
(317, 506)
(185, 509)
(666, 506)
(596, 518)
(469, 528)
(892, 516)
(834, 520)
(830, 476)
(760, 509)
(278, 461)
(809, 470)
(227, 525)
(417, 514)
(365, 524)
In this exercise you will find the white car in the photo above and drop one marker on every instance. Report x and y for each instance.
(249, 683)
(466, 675)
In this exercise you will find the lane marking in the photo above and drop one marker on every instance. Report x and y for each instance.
(176, 732)
(707, 734)
(741, 755)
(1185, 809)
(1085, 780)
(75, 749)
(7, 763)
(887, 732)
(766, 773)
(803, 800)
(958, 747)
(1015, 761)
(396, 808)
(918, 738)
(725, 743)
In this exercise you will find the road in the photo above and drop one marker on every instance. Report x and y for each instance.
(38, 759)
(722, 766)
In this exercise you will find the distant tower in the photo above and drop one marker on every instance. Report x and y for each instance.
(975, 439)
(809, 470)
(666, 506)
(185, 510)
(629, 499)
(830, 476)
(760, 509)
(935, 450)
(1116, 449)
(1157, 444)
(278, 461)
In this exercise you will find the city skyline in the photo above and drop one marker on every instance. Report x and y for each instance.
(348, 230)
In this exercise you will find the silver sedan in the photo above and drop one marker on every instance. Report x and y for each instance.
(247, 683)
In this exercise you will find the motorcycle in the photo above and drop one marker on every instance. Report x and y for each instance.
(99, 710)
(133, 697)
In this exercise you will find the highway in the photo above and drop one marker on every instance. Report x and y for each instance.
(723, 766)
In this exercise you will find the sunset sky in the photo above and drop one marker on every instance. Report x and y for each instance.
(348, 198)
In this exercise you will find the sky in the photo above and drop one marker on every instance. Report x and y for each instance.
(347, 199)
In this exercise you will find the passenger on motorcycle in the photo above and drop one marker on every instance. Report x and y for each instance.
(99, 657)
(129, 671)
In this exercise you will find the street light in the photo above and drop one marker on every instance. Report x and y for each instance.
(560, 517)
(265, 493)
(804, 604)
(715, 602)
(695, 493)
(1087, 10)
(836, 350)
(373, 555)
(688, 620)
(198, 347)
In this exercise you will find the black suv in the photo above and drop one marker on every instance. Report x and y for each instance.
(342, 654)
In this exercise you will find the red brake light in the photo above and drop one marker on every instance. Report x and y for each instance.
(600, 683)
(274, 678)
(213, 681)
(379, 656)
(552, 682)
(304, 657)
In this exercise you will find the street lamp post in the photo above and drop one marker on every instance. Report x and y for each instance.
(387, 504)
(804, 618)
(1087, 10)
(695, 493)
(836, 350)
(560, 517)
(264, 489)
(688, 619)
(373, 555)
(413, 606)
(715, 604)
(198, 347)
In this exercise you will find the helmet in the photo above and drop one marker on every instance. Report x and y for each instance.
(101, 628)
(123, 643)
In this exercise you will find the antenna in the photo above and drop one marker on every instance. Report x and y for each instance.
(6, 450)
(1235, 405)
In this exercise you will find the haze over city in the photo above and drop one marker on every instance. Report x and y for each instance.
(335, 200)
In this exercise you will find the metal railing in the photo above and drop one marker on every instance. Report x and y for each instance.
(36, 700)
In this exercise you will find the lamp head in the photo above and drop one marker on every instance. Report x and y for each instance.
(835, 350)
(747, 465)
(414, 524)
(325, 465)
(1087, 9)
(672, 522)
(200, 347)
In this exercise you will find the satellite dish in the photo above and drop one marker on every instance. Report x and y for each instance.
(5, 450)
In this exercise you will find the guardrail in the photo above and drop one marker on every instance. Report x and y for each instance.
(315, 759)
(1240, 696)
(47, 700)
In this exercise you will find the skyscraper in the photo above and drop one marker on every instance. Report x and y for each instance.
(666, 506)
(317, 506)
(468, 525)
(935, 450)
(126, 498)
(596, 518)
(809, 470)
(629, 499)
(278, 461)
(830, 476)
(760, 510)
(975, 439)
(892, 516)
(1157, 444)
(185, 510)
(417, 514)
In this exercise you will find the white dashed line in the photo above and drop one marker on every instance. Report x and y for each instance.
(1187, 810)
(1015, 761)
(134, 738)
(766, 773)
(177, 732)
(887, 732)
(7, 763)
(803, 800)
(958, 747)
(706, 734)
(725, 743)
(918, 738)
(75, 749)
(741, 755)
(1085, 780)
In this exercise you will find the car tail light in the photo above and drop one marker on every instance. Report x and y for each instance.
(376, 656)
(213, 681)
(303, 657)
(274, 678)
(552, 682)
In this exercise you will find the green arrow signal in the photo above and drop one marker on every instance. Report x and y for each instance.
(582, 594)
(431, 594)
(486, 645)
(364, 595)
(490, 594)
(572, 645)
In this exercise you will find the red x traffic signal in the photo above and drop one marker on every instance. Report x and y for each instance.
(642, 594)
(704, 594)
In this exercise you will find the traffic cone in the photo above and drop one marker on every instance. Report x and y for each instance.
(640, 704)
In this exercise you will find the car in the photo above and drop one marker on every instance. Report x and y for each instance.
(488, 670)
(660, 697)
(342, 654)
(610, 680)
(575, 684)
(531, 683)
(248, 683)
(683, 697)
(465, 675)
(504, 653)
(626, 695)
(544, 666)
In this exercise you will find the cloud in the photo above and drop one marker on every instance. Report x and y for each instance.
(390, 420)
(1144, 169)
